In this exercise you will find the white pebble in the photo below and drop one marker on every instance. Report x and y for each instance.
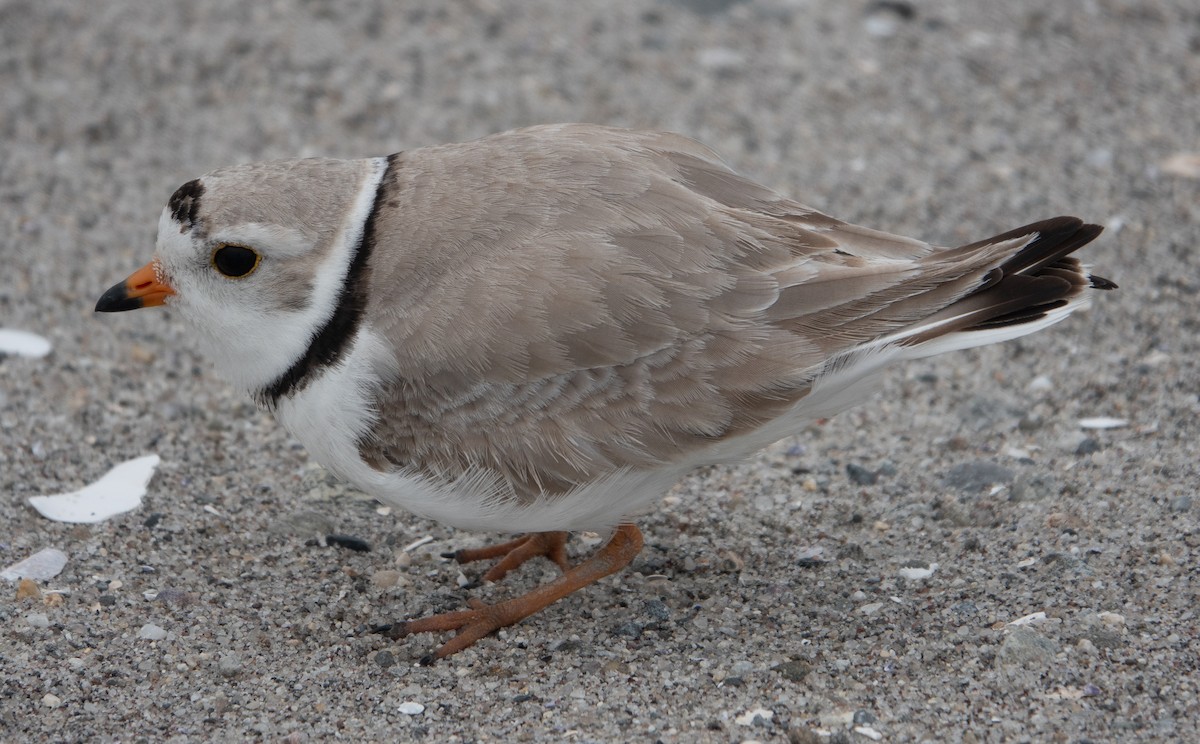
(868, 732)
(152, 632)
(1102, 422)
(411, 709)
(50, 700)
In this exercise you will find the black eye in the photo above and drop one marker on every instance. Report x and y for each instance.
(235, 261)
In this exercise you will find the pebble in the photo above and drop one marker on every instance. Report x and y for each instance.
(861, 476)
(868, 732)
(304, 523)
(37, 620)
(349, 542)
(1025, 647)
(411, 709)
(151, 632)
(385, 579)
(385, 659)
(229, 665)
(1112, 619)
(793, 671)
(50, 700)
(972, 477)
(27, 589)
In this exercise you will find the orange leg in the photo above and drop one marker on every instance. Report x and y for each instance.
(481, 621)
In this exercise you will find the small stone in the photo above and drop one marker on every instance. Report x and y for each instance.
(349, 542)
(37, 620)
(793, 671)
(411, 709)
(27, 589)
(1112, 619)
(657, 609)
(972, 477)
(151, 632)
(304, 523)
(1025, 648)
(864, 716)
(868, 732)
(229, 665)
(1088, 446)
(385, 659)
(50, 700)
(861, 476)
(385, 579)
(1181, 504)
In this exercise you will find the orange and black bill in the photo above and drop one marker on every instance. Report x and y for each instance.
(143, 288)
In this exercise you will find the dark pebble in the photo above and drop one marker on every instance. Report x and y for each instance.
(864, 716)
(1088, 446)
(357, 544)
(107, 600)
(903, 10)
(861, 476)
(385, 659)
(793, 671)
(657, 609)
(153, 520)
(972, 477)
(632, 630)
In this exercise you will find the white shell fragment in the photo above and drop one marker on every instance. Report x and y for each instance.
(1102, 422)
(42, 565)
(917, 573)
(119, 490)
(1035, 618)
(411, 708)
(23, 343)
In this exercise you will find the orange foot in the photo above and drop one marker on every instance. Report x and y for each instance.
(482, 620)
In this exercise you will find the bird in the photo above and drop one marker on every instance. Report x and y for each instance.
(539, 332)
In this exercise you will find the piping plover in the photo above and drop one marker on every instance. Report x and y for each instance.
(543, 330)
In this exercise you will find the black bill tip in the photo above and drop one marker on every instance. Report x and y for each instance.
(117, 300)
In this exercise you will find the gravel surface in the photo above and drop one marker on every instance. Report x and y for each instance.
(956, 560)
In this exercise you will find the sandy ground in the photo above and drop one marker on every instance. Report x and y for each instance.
(214, 612)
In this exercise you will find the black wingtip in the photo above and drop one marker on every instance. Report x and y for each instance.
(1099, 282)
